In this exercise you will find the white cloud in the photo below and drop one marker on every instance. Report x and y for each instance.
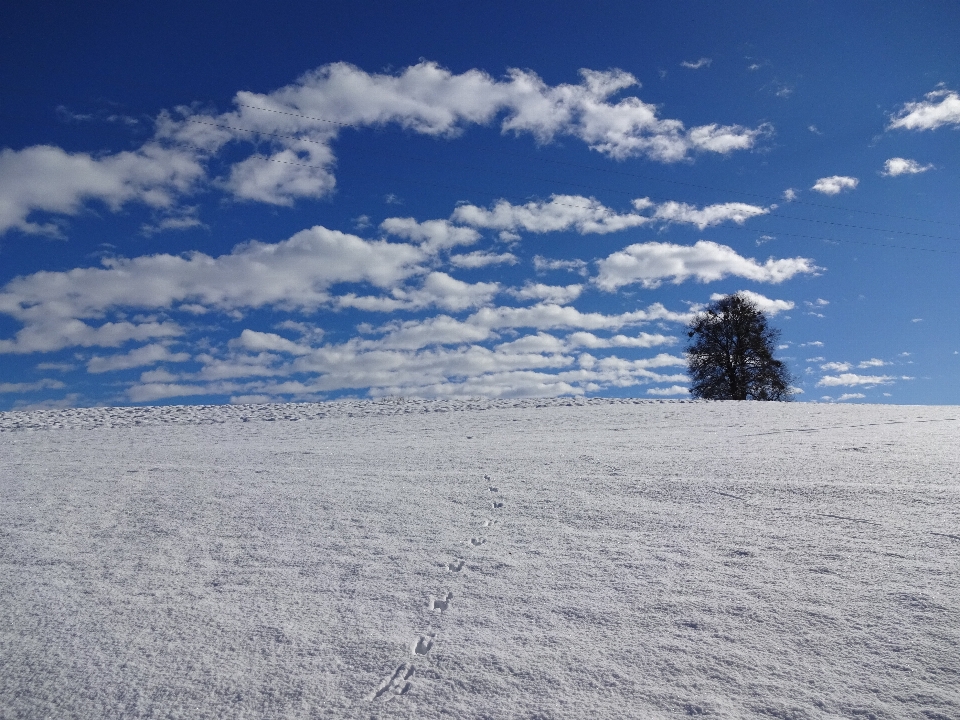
(542, 264)
(709, 215)
(643, 340)
(672, 390)
(790, 194)
(819, 303)
(557, 294)
(873, 362)
(562, 212)
(292, 274)
(256, 341)
(303, 118)
(696, 65)
(479, 259)
(438, 289)
(941, 107)
(652, 263)
(297, 124)
(282, 177)
(46, 384)
(835, 184)
(902, 166)
(851, 396)
(138, 357)
(768, 306)
(435, 357)
(59, 367)
(540, 343)
(849, 379)
(836, 366)
(433, 234)
(812, 343)
(588, 215)
(47, 179)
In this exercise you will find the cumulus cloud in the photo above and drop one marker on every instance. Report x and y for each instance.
(138, 357)
(297, 124)
(676, 212)
(46, 384)
(510, 370)
(542, 264)
(558, 294)
(291, 274)
(667, 391)
(652, 263)
(48, 179)
(835, 184)
(438, 290)
(849, 379)
(588, 215)
(256, 341)
(433, 234)
(941, 107)
(480, 258)
(850, 396)
(561, 212)
(873, 362)
(836, 366)
(437, 357)
(768, 306)
(643, 340)
(902, 166)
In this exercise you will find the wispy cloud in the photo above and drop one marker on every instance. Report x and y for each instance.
(697, 64)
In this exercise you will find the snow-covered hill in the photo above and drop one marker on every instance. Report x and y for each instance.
(483, 559)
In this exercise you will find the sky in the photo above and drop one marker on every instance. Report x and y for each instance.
(235, 203)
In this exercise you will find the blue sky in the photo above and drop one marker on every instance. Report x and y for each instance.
(238, 204)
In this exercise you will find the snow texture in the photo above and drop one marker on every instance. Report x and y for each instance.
(488, 559)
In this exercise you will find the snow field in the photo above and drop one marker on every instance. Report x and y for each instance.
(549, 559)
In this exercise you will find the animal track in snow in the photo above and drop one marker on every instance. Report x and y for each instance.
(455, 566)
(496, 505)
(396, 684)
(422, 645)
(494, 489)
(486, 477)
(441, 605)
(477, 541)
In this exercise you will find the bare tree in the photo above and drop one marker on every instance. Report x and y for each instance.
(730, 355)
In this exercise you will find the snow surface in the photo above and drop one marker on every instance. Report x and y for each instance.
(484, 559)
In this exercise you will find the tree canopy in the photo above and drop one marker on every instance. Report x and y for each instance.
(730, 355)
